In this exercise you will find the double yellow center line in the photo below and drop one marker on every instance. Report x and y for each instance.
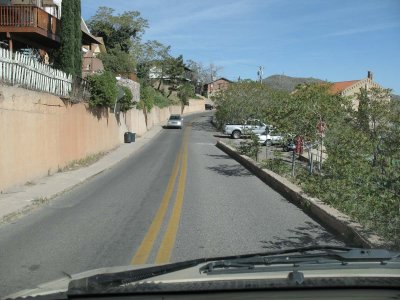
(168, 241)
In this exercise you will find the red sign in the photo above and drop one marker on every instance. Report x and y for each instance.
(321, 127)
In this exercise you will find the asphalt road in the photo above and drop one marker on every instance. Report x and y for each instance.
(177, 198)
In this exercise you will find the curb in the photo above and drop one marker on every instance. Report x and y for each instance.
(330, 217)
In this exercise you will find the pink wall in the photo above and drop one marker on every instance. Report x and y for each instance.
(39, 133)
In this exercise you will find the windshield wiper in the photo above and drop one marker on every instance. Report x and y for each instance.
(308, 256)
(103, 282)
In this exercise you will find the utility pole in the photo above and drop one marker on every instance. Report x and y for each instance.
(212, 72)
(260, 73)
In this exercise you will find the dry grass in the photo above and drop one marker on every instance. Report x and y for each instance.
(81, 163)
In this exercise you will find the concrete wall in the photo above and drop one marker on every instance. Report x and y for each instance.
(39, 133)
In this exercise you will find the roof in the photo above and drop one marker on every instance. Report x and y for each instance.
(87, 37)
(342, 85)
(221, 78)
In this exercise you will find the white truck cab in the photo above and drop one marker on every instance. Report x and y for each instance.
(252, 125)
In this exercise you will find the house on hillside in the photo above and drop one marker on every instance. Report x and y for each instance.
(156, 74)
(215, 86)
(91, 64)
(34, 24)
(352, 87)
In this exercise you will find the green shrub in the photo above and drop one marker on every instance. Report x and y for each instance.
(118, 61)
(126, 100)
(160, 100)
(250, 147)
(103, 90)
(278, 166)
(150, 97)
(146, 97)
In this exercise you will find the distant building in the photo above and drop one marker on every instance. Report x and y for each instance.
(352, 87)
(91, 64)
(215, 86)
(156, 73)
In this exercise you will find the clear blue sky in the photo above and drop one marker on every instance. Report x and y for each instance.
(335, 40)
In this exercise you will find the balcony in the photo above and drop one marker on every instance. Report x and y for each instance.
(29, 25)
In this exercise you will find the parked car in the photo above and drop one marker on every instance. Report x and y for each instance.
(175, 121)
(209, 106)
(237, 130)
(289, 145)
(273, 138)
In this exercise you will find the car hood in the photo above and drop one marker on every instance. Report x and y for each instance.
(340, 266)
(61, 285)
(193, 277)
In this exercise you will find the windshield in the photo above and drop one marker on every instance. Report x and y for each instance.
(115, 148)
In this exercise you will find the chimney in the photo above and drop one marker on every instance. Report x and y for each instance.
(370, 75)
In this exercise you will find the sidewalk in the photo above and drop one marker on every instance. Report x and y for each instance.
(27, 197)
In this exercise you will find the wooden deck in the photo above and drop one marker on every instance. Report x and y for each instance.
(27, 22)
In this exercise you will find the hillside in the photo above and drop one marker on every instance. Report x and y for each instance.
(287, 83)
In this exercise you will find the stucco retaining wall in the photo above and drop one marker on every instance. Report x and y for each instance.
(39, 133)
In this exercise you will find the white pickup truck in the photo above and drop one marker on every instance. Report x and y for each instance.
(237, 130)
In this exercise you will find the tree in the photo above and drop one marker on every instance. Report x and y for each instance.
(310, 105)
(65, 58)
(174, 69)
(77, 38)
(362, 170)
(185, 92)
(68, 57)
(362, 113)
(201, 75)
(118, 61)
(122, 36)
(118, 31)
(212, 72)
(377, 120)
(245, 100)
(361, 174)
(148, 55)
(126, 101)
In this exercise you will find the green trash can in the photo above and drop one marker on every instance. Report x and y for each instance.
(133, 137)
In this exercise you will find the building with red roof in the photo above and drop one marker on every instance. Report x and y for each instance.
(352, 87)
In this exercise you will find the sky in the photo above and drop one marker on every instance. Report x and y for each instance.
(335, 40)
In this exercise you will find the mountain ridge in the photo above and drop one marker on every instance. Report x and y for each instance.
(288, 83)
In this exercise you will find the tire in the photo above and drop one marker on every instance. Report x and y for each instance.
(236, 134)
(286, 148)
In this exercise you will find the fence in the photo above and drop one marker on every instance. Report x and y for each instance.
(19, 69)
